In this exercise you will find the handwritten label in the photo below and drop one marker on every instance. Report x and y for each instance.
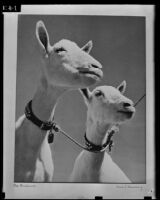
(23, 185)
(129, 187)
(10, 8)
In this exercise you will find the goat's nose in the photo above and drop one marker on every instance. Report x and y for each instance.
(126, 105)
(96, 65)
(93, 62)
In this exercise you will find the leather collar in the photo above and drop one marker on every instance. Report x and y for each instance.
(93, 147)
(43, 125)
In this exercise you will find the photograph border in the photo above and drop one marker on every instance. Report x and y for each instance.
(71, 190)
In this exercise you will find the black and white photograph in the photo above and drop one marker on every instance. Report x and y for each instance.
(81, 84)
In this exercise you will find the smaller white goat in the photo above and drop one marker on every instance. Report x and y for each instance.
(107, 106)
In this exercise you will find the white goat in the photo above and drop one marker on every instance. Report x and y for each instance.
(107, 106)
(66, 66)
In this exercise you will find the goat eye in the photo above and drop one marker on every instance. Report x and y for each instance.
(99, 93)
(58, 50)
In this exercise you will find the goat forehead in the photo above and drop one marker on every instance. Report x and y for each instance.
(109, 91)
(112, 94)
(66, 44)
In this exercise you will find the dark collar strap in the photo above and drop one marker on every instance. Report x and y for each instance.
(48, 125)
(94, 147)
(51, 125)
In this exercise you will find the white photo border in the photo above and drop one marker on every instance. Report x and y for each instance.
(71, 190)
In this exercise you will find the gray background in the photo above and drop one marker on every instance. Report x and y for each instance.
(119, 44)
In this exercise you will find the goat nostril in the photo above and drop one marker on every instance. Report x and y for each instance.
(95, 66)
(126, 104)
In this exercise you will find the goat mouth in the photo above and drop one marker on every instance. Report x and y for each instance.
(98, 73)
(128, 113)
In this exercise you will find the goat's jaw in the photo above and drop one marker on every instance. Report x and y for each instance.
(96, 74)
(128, 114)
(90, 75)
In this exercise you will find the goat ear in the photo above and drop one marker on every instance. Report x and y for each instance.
(122, 87)
(42, 37)
(86, 95)
(87, 47)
